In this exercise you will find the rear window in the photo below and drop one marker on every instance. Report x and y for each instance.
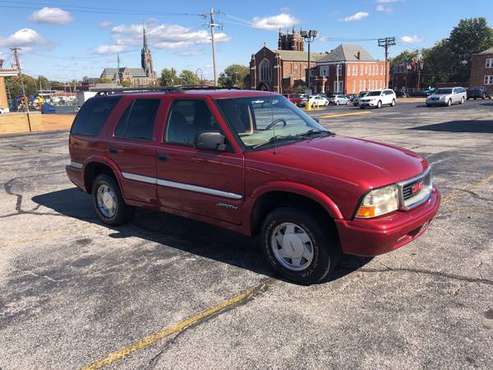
(93, 115)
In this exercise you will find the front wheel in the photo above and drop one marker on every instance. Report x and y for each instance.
(393, 103)
(379, 104)
(298, 246)
(449, 103)
(462, 100)
(108, 201)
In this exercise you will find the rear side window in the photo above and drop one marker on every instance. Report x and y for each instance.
(93, 115)
(138, 120)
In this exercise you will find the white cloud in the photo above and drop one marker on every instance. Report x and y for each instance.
(411, 39)
(52, 15)
(358, 16)
(105, 24)
(109, 49)
(384, 5)
(161, 36)
(274, 22)
(25, 37)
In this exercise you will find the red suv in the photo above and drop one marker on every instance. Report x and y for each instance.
(251, 162)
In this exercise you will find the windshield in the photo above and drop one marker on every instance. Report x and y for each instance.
(363, 93)
(443, 91)
(374, 93)
(268, 119)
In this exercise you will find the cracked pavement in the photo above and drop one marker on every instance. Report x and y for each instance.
(73, 290)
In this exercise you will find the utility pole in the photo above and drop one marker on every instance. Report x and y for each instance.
(386, 43)
(24, 97)
(213, 25)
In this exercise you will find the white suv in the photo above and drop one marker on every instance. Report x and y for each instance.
(378, 98)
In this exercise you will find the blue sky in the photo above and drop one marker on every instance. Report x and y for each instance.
(69, 39)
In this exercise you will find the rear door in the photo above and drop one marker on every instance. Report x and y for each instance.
(133, 148)
(203, 182)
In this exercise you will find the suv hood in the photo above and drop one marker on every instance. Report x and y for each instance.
(365, 164)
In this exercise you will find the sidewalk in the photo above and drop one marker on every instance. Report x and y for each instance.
(16, 123)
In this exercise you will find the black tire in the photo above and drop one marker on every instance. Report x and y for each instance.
(449, 103)
(123, 212)
(379, 104)
(393, 103)
(326, 252)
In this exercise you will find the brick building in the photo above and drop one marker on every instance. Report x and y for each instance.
(349, 69)
(282, 70)
(482, 69)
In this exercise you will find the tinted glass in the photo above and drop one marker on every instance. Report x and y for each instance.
(93, 115)
(138, 121)
(374, 93)
(443, 91)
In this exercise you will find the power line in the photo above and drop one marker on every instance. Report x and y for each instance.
(386, 43)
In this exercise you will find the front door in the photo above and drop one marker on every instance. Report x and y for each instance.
(203, 182)
(133, 148)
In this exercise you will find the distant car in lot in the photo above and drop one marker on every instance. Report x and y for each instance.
(251, 162)
(378, 98)
(294, 98)
(339, 100)
(447, 96)
(358, 97)
(3, 110)
(318, 101)
(478, 92)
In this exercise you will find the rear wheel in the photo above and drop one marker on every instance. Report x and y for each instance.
(108, 201)
(298, 246)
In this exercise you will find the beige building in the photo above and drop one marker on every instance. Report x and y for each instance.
(5, 72)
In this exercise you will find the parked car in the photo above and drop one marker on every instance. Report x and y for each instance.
(318, 101)
(447, 96)
(339, 100)
(3, 110)
(478, 92)
(253, 163)
(294, 98)
(378, 98)
(358, 97)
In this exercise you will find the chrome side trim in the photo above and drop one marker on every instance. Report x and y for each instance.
(76, 165)
(146, 179)
(182, 186)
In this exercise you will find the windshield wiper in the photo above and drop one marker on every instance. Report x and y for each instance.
(301, 136)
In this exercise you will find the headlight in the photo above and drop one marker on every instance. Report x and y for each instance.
(379, 202)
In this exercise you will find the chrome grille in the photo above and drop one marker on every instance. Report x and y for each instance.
(415, 191)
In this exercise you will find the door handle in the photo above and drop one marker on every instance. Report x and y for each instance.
(162, 157)
(113, 150)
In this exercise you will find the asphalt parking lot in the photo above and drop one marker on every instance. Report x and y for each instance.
(165, 292)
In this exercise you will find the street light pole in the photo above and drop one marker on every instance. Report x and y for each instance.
(309, 36)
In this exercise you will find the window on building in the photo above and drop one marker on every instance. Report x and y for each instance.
(138, 120)
(489, 63)
(488, 79)
(187, 119)
(355, 70)
(265, 70)
(324, 71)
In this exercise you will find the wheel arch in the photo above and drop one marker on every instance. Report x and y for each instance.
(96, 167)
(300, 195)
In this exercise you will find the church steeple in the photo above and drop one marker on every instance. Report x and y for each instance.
(145, 56)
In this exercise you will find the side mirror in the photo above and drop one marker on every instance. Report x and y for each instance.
(211, 140)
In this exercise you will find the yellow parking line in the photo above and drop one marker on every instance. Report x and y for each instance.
(344, 114)
(151, 339)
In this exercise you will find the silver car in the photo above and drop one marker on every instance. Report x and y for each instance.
(447, 96)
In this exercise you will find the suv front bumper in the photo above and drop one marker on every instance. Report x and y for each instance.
(371, 237)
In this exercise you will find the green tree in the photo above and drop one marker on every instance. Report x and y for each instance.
(14, 85)
(188, 77)
(406, 56)
(235, 75)
(43, 83)
(437, 63)
(470, 36)
(169, 77)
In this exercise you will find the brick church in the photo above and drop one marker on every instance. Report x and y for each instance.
(347, 69)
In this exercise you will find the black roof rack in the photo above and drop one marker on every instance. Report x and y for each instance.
(178, 88)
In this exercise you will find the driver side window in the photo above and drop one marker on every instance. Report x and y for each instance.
(187, 119)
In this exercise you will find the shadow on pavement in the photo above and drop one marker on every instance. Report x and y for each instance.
(180, 233)
(475, 126)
